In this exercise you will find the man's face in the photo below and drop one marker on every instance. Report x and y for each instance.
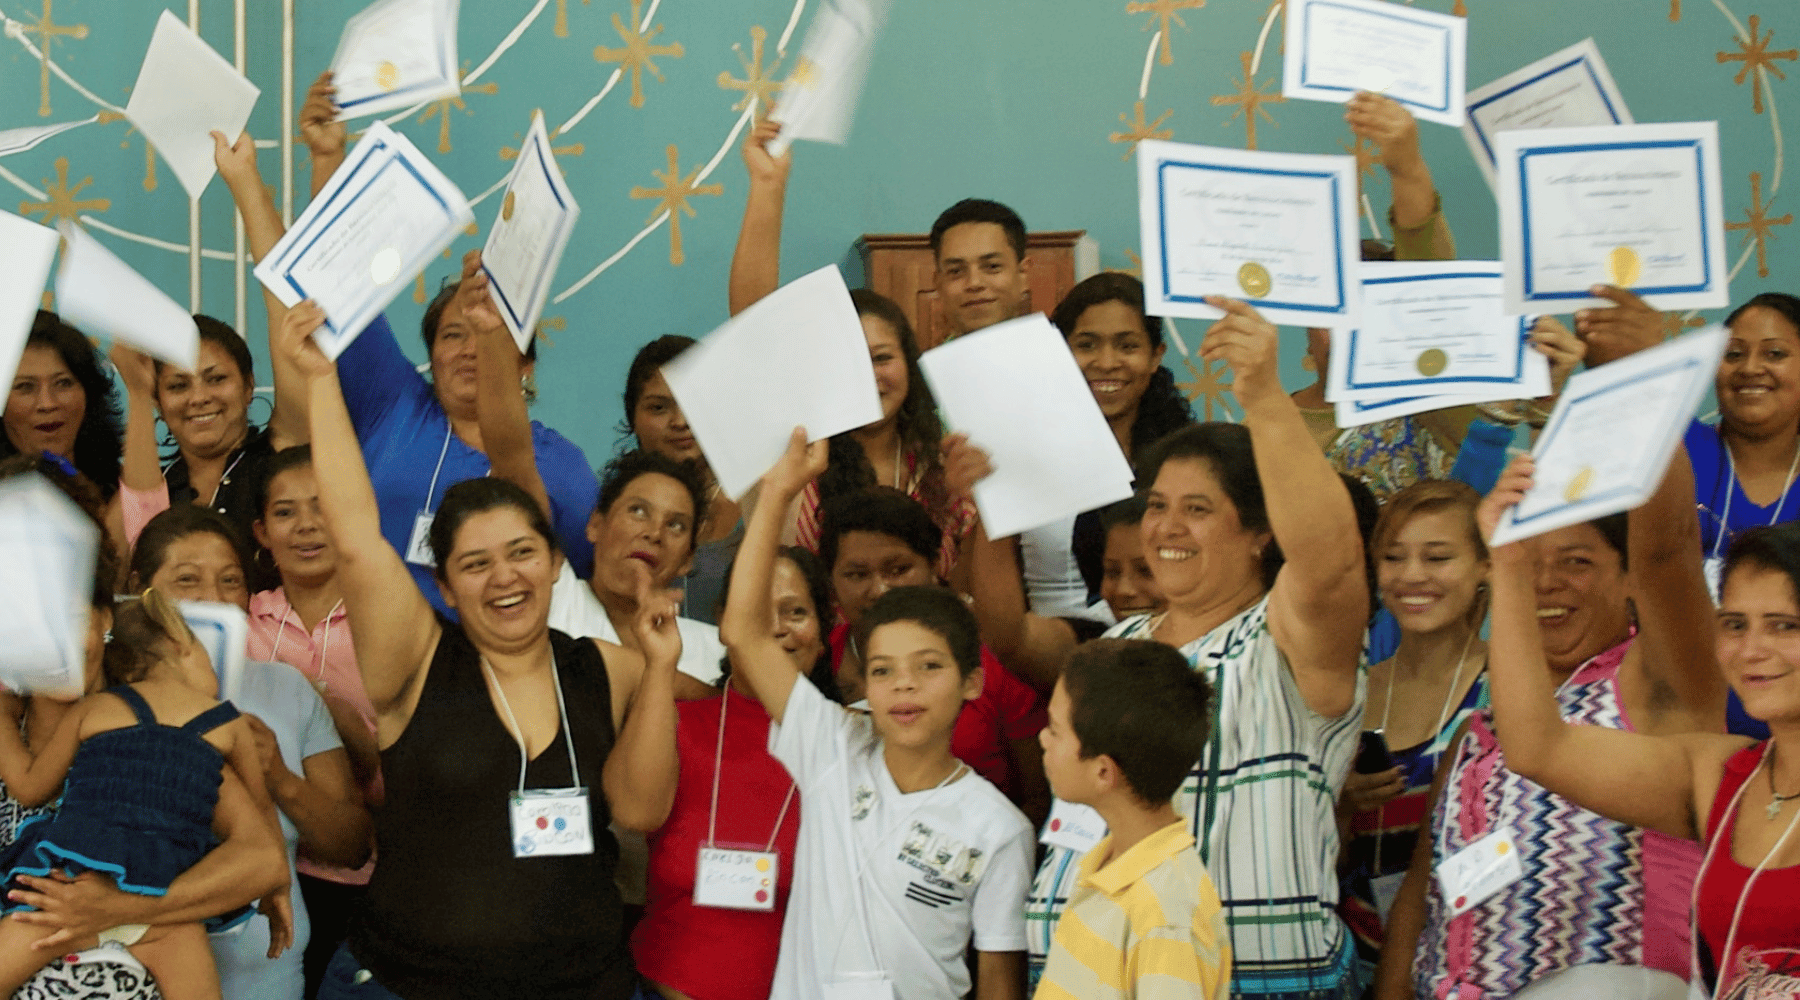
(980, 279)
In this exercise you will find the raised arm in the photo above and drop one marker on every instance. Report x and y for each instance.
(500, 406)
(141, 470)
(325, 139)
(643, 767)
(395, 629)
(756, 263)
(1319, 605)
(263, 229)
(1676, 623)
(1420, 231)
(745, 626)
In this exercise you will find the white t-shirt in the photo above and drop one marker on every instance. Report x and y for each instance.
(929, 869)
(574, 610)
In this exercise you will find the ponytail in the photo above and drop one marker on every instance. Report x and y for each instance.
(144, 632)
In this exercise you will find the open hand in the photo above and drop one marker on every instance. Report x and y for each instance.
(1565, 350)
(322, 135)
(71, 909)
(136, 369)
(1386, 123)
(473, 296)
(280, 911)
(1624, 328)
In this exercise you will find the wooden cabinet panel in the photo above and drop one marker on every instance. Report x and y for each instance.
(900, 266)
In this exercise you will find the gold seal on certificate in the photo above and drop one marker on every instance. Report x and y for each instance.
(507, 206)
(1624, 266)
(1433, 362)
(1254, 279)
(384, 267)
(387, 76)
(1578, 486)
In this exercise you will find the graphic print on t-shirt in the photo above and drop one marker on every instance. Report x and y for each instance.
(1766, 975)
(947, 866)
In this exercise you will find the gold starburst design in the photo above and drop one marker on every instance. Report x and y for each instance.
(1759, 225)
(1754, 53)
(1137, 130)
(639, 53)
(548, 323)
(1206, 385)
(1675, 324)
(561, 30)
(510, 153)
(673, 198)
(62, 201)
(48, 31)
(1249, 100)
(440, 109)
(1161, 13)
(759, 84)
(1137, 268)
(149, 156)
(1674, 10)
(1367, 156)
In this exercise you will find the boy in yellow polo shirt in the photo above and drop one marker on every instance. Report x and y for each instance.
(1128, 719)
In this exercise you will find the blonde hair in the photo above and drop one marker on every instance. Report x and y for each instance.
(145, 632)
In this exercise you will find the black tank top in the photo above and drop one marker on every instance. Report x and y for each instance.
(450, 912)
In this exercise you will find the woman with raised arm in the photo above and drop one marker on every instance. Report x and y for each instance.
(488, 902)
(1280, 639)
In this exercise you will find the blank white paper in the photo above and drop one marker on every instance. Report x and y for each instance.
(26, 252)
(104, 297)
(184, 92)
(47, 549)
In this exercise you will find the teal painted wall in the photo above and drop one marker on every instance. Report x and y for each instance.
(1011, 99)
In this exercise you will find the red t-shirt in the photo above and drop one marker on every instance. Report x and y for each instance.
(1007, 710)
(706, 952)
(1766, 950)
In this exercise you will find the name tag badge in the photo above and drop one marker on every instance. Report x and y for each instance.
(1387, 889)
(736, 880)
(1075, 827)
(860, 986)
(1478, 871)
(549, 822)
(418, 550)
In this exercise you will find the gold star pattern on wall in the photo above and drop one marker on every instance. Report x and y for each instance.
(1161, 13)
(1137, 130)
(1136, 269)
(149, 156)
(561, 29)
(1754, 53)
(48, 31)
(548, 323)
(1249, 100)
(760, 82)
(62, 201)
(440, 109)
(1207, 386)
(510, 153)
(639, 53)
(1674, 10)
(674, 195)
(1758, 226)
(1675, 324)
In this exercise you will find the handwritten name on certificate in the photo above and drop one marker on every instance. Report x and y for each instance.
(1277, 230)
(1567, 89)
(1338, 47)
(1637, 206)
(1613, 433)
(1434, 328)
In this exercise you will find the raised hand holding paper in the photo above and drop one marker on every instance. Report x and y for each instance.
(47, 549)
(103, 296)
(526, 242)
(395, 54)
(1567, 89)
(1637, 206)
(26, 252)
(1338, 47)
(185, 92)
(1278, 230)
(376, 224)
(818, 101)
(806, 339)
(1016, 391)
(1612, 434)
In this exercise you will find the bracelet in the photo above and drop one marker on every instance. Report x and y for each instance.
(1504, 414)
(1536, 417)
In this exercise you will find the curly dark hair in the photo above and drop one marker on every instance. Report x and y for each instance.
(99, 441)
(625, 469)
(1162, 409)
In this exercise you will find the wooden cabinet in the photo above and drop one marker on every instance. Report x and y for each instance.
(900, 266)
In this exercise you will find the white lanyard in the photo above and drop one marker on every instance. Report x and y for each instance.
(324, 641)
(1723, 835)
(712, 821)
(429, 490)
(519, 734)
(224, 477)
(1436, 731)
(1731, 486)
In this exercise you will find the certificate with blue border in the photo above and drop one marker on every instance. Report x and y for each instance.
(1637, 206)
(376, 225)
(527, 240)
(396, 54)
(1610, 439)
(1276, 230)
(1571, 88)
(223, 631)
(1354, 413)
(1435, 328)
(1336, 48)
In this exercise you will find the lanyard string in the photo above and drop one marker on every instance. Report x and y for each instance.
(324, 641)
(1437, 731)
(224, 477)
(712, 821)
(519, 734)
(1720, 836)
(432, 489)
(1731, 486)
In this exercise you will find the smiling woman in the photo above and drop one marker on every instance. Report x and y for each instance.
(61, 403)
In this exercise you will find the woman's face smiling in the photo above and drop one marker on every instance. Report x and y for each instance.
(208, 411)
(889, 361)
(1758, 383)
(1582, 593)
(293, 529)
(1126, 583)
(201, 566)
(45, 408)
(1198, 550)
(1759, 642)
(797, 626)
(1429, 573)
(498, 578)
(1115, 355)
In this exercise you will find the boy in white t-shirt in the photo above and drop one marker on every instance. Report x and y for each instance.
(905, 855)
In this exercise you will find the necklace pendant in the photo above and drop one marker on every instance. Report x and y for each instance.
(1774, 808)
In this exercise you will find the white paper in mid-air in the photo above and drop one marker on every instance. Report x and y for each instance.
(1016, 391)
(26, 252)
(47, 550)
(18, 140)
(395, 54)
(223, 630)
(185, 91)
(1570, 88)
(1336, 48)
(797, 358)
(103, 297)
(526, 242)
(818, 101)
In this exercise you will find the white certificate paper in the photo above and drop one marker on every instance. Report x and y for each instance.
(1338, 47)
(1567, 89)
(1373, 411)
(806, 341)
(527, 240)
(184, 92)
(379, 221)
(104, 297)
(818, 100)
(18, 140)
(1278, 230)
(1612, 434)
(47, 549)
(26, 252)
(1016, 391)
(1638, 206)
(1435, 328)
(224, 632)
(395, 54)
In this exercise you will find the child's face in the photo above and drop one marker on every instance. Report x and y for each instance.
(1126, 584)
(914, 689)
(1071, 777)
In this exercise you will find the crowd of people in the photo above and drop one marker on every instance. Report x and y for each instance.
(1283, 725)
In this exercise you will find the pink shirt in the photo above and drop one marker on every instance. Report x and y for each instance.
(327, 658)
